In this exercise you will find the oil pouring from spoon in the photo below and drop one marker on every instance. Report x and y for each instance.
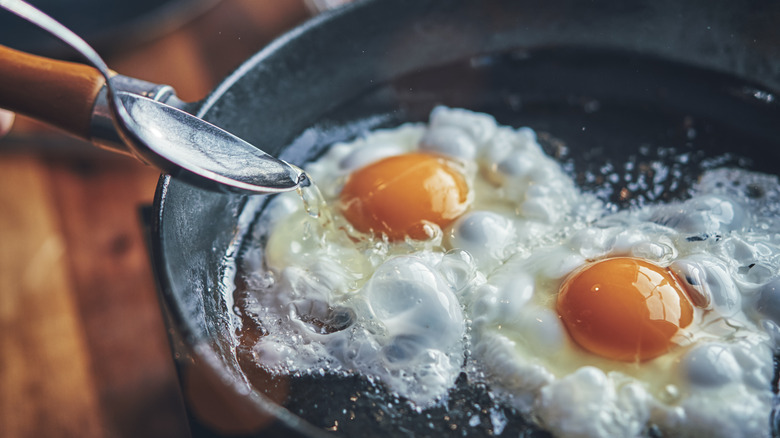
(173, 140)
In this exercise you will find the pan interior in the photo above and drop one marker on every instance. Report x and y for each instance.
(601, 113)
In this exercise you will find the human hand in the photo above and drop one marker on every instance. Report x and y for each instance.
(6, 121)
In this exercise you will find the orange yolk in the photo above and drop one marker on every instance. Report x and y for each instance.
(398, 195)
(623, 308)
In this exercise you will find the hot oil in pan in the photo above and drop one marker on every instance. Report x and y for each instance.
(630, 129)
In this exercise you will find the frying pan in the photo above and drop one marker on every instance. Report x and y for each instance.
(605, 82)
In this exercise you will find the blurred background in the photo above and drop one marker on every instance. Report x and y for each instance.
(83, 347)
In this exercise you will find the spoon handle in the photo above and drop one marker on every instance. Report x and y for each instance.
(59, 93)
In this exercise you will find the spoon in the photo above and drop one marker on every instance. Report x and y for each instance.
(159, 134)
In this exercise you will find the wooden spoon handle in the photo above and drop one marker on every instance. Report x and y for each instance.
(59, 93)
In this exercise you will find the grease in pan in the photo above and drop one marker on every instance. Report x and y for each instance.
(486, 264)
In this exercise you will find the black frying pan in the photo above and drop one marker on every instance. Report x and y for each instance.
(612, 81)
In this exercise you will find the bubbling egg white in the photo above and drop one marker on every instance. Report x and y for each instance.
(483, 288)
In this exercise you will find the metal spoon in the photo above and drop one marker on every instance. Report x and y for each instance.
(169, 138)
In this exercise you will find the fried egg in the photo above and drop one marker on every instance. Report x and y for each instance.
(460, 246)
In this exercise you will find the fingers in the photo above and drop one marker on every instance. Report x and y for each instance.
(6, 121)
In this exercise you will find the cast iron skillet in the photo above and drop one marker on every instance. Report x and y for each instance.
(610, 81)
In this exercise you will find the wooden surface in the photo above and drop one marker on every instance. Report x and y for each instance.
(83, 349)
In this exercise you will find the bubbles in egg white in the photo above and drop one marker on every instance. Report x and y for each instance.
(398, 311)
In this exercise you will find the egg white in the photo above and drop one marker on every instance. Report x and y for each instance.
(407, 312)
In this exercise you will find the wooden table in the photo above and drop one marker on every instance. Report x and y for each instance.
(83, 349)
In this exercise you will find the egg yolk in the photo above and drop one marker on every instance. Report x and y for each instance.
(623, 308)
(398, 195)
